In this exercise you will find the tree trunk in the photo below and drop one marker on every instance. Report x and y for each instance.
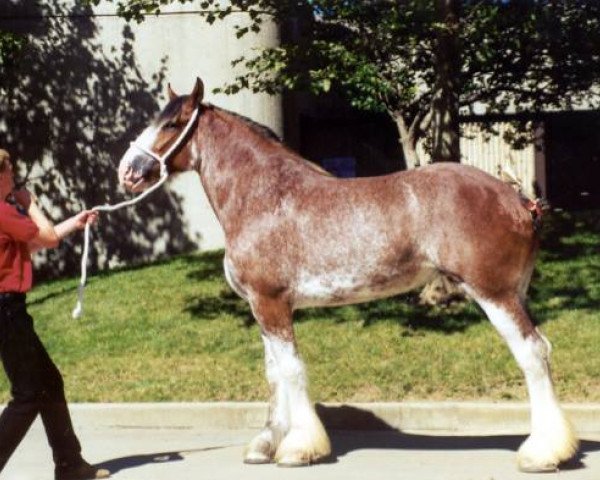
(408, 141)
(411, 157)
(445, 131)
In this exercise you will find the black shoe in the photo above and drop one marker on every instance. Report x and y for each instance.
(80, 471)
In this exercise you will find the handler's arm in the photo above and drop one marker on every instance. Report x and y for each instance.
(76, 222)
(47, 236)
(66, 228)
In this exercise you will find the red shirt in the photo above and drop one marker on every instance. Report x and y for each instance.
(16, 230)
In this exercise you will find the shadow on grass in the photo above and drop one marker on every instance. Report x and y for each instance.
(567, 273)
(403, 310)
(400, 310)
(51, 295)
(208, 262)
(207, 266)
(570, 235)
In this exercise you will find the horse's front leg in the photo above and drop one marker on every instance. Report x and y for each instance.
(262, 448)
(293, 435)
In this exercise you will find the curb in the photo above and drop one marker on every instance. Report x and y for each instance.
(459, 417)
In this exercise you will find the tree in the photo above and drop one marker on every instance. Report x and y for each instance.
(445, 130)
(419, 60)
(10, 46)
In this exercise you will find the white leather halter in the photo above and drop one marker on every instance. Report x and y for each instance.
(162, 160)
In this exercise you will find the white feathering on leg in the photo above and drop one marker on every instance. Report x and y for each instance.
(306, 442)
(552, 438)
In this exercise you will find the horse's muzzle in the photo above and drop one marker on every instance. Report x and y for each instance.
(137, 172)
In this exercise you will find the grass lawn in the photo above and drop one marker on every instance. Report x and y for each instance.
(173, 331)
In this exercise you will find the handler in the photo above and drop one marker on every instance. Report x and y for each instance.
(36, 383)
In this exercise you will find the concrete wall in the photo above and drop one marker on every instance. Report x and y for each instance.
(87, 85)
(180, 41)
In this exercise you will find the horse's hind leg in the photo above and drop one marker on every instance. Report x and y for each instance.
(552, 439)
(293, 435)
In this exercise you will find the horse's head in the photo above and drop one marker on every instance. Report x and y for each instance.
(166, 140)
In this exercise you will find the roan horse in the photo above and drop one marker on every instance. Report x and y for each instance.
(297, 237)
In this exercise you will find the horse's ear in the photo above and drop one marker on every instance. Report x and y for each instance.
(172, 94)
(197, 94)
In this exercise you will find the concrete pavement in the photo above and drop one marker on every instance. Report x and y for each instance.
(206, 441)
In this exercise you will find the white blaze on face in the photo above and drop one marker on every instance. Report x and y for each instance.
(145, 140)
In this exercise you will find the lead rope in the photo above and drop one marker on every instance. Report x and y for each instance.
(78, 310)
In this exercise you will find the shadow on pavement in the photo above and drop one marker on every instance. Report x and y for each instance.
(123, 463)
(347, 441)
(353, 429)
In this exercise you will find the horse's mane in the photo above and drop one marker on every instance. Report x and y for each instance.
(259, 128)
(266, 132)
(174, 106)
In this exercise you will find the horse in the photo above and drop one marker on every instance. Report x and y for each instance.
(297, 237)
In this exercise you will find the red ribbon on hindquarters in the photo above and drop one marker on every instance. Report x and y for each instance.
(536, 208)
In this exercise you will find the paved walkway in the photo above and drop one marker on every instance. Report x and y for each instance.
(137, 450)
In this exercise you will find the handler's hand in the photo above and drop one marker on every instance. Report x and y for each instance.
(87, 216)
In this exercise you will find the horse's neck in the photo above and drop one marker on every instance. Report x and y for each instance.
(241, 168)
(232, 153)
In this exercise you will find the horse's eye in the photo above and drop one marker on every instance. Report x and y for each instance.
(170, 125)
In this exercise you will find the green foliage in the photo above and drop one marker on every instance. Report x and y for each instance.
(514, 55)
(367, 50)
(526, 54)
(532, 55)
(10, 46)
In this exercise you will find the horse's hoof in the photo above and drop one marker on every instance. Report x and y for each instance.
(536, 456)
(258, 452)
(304, 446)
(293, 461)
(255, 458)
(300, 458)
(529, 466)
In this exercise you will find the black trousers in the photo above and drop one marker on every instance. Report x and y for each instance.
(36, 386)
